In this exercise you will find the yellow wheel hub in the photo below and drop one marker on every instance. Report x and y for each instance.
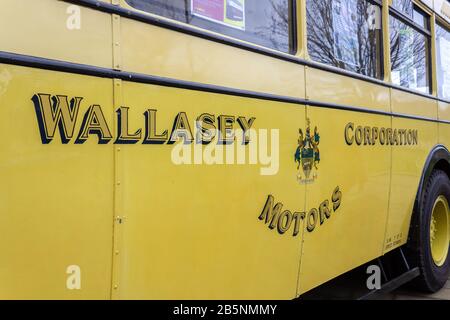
(440, 231)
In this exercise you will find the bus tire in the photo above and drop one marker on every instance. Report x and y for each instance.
(430, 234)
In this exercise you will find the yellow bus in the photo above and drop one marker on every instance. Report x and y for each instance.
(220, 149)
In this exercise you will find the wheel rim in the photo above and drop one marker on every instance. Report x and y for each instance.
(440, 231)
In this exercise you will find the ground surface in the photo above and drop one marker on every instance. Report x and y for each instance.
(403, 294)
(349, 287)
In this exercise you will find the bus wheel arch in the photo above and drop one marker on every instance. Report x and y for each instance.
(438, 159)
(429, 237)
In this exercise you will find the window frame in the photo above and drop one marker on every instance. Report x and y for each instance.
(405, 19)
(409, 21)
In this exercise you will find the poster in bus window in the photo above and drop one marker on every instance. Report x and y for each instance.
(408, 71)
(345, 37)
(428, 3)
(405, 74)
(444, 49)
(442, 7)
(227, 12)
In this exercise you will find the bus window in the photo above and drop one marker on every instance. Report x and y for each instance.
(346, 34)
(443, 62)
(268, 23)
(410, 51)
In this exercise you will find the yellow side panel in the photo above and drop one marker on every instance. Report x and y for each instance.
(51, 29)
(192, 231)
(332, 88)
(444, 128)
(412, 104)
(354, 232)
(55, 200)
(408, 163)
(191, 58)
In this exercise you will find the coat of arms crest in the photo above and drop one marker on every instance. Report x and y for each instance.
(307, 155)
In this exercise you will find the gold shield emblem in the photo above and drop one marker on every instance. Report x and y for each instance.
(307, 155)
